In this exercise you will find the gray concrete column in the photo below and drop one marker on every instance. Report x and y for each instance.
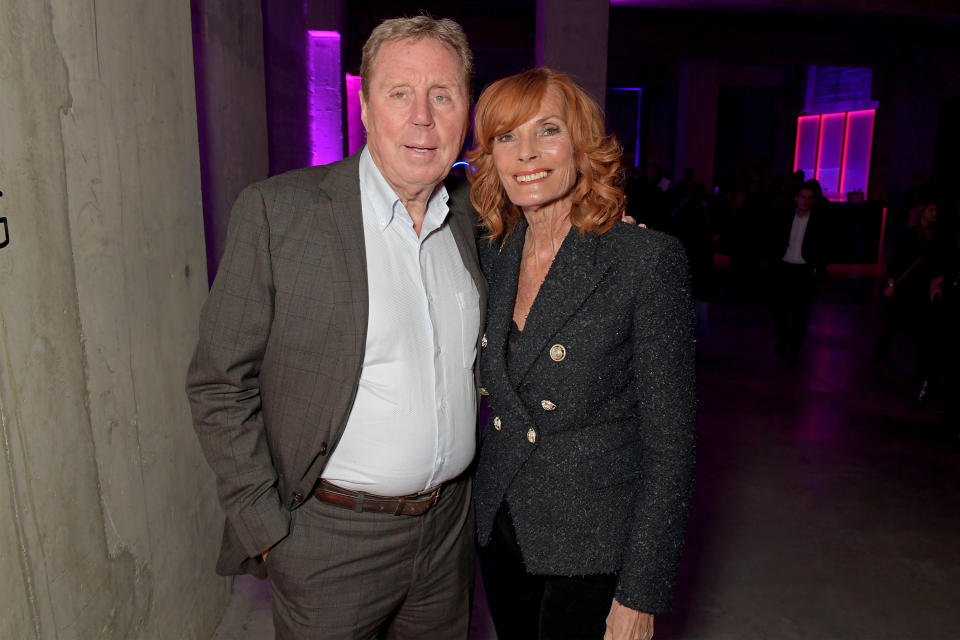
(571, 36)
(109, 522)
(231, 109)
(697, 96)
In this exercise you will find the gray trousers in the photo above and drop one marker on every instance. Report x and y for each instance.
(342, 574)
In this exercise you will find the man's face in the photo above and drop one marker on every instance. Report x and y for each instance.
(416, 114)
(805, 200)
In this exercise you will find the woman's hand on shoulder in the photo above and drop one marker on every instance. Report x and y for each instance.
(624, 623)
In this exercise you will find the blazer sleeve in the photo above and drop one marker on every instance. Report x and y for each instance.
(223, 381)
(664, 369)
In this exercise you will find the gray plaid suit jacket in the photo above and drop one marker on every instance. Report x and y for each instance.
(281, 346)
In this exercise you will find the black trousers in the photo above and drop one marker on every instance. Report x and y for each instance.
(794, 288)
(535, 607)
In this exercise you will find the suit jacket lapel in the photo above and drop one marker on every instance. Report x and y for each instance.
(503, 268)
(464, 232)
(342, 184)
(344, 217)
(572, 277)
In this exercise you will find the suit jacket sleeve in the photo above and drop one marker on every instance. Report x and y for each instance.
(664, 367)
(223, 382)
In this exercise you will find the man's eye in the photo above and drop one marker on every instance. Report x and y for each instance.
(441, 98)
(400, 94)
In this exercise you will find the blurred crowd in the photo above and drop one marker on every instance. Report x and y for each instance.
(742, 217)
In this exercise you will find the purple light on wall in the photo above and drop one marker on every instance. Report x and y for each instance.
(836, 148)
(857, 145)
(356, 134)
(326, 131)
(830, 153)
(805, 154)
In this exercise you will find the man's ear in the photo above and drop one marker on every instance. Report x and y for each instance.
(363, 108)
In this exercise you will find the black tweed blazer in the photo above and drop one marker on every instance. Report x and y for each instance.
(592, 442)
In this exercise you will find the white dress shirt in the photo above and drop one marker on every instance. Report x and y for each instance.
(794, 254)
(413, 423)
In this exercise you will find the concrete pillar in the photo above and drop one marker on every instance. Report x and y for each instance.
(109, 522)
(231, 109)
(288, 93)
(571, 36)
(697, 95)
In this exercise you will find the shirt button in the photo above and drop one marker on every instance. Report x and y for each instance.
(558, 352)
(497, 424)
(297, 496)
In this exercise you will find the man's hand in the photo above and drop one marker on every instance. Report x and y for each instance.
(624, 623)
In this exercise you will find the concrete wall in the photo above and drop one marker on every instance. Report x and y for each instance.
(109, 525)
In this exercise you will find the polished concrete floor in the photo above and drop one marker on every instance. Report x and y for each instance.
(827, 506)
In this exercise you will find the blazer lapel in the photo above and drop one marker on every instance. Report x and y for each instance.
(342, 184)
(461, 225)
(344, 217)
(573, 276)
(503, 269)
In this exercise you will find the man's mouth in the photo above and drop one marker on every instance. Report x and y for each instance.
(420, 149)
(530, 177)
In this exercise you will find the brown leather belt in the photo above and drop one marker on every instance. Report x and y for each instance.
(412, 505)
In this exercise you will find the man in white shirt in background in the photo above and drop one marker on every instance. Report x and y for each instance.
(798, 259)
(333, 385)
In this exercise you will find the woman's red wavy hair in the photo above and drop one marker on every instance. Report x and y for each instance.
(598, 199)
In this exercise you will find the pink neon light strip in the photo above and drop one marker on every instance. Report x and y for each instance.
(843, 143)
(356, 134)
(857, 164)
(326, 135)
(843, 156)
(830, 152)
(808, 130)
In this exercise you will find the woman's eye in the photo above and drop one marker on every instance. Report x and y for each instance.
(504, 137)
(551, 130)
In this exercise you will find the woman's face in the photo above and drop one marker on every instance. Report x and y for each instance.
(929, 214)
(535, 161)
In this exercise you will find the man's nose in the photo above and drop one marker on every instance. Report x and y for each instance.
(422, 111)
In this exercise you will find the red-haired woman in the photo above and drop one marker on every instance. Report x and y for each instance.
(585, 467)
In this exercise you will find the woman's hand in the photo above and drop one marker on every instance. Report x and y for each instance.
(624, 623)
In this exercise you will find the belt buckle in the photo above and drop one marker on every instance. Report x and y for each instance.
(358, 502)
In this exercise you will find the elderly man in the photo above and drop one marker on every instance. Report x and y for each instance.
(332, 387)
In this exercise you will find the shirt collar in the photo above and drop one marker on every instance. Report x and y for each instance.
(386, 205)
